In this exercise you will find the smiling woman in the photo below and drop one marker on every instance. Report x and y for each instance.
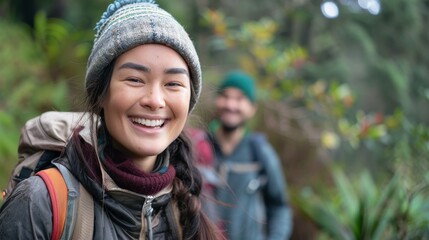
(147, 103)
(143, 80)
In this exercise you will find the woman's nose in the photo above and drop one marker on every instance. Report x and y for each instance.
(153, 98)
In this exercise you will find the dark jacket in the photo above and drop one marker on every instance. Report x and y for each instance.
(253, 195)
(118, 213)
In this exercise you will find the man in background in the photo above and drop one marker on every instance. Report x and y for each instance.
(252, 190)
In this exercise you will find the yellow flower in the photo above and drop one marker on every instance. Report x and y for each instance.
(329, 140)
(318, 88)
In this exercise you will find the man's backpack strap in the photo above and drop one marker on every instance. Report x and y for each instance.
(72, 211)
(257, 141)
(58, 193)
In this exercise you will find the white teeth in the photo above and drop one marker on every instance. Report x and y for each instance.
(148, 122)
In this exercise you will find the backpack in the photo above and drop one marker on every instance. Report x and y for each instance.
(204, 156)
(257, 140)
(42, 140)
(204, 161)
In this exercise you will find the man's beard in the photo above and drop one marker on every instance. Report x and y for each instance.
(231, 128)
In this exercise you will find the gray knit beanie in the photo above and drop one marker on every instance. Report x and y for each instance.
(129, 23)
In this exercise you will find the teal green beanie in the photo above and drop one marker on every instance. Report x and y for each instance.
(242, 81)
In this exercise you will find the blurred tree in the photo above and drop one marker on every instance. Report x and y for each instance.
(25, 10)
(38, 67)
(375, 53)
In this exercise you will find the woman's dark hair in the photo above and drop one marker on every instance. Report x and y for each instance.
(187, 190)
(188, 181)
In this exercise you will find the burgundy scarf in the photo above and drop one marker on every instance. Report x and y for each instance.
(124, 172)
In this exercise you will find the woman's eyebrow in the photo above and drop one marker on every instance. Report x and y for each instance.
(135, 66)
(143, 68)
(177, 71)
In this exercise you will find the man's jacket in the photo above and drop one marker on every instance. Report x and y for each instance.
(253, 196)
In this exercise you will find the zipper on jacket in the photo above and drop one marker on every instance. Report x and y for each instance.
(148, 210)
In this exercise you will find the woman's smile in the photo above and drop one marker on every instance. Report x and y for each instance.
(157, 123)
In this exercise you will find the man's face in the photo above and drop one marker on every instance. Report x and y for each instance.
(233, 108)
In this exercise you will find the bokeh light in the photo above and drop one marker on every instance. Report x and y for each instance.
(329, 9)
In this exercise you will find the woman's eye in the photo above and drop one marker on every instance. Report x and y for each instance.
(134, 80)
(174, 84)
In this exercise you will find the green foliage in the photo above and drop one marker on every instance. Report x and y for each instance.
(259, 55)
(411, 153)
(358, 208)
(61, 46)
(35, 66)
(363, 207)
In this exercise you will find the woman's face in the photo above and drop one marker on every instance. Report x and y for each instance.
(147, 103)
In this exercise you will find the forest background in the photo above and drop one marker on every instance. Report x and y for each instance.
(344, 99)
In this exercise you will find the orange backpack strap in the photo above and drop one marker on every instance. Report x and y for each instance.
(58, 193)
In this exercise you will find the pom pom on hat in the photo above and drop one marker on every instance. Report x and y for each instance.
(242, 81)
(129, 23)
